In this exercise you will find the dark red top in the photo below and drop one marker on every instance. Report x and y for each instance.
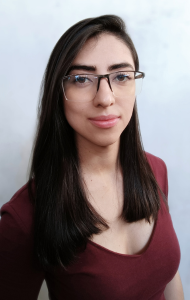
(99, 273)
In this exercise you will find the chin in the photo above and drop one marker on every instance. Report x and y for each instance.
(105, 139)
(106, 142)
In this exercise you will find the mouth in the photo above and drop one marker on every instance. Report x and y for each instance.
(105, 121)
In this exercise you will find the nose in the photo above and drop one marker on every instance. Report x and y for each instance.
(104, 96)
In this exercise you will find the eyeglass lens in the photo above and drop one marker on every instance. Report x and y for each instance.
(83, 88)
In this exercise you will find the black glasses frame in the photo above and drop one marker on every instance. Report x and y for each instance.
(141, 75)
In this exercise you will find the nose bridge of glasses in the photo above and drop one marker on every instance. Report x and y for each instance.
(101, 77)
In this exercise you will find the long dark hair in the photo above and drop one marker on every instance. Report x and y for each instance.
(64, 219)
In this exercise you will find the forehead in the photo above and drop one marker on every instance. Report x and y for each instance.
(103, 51)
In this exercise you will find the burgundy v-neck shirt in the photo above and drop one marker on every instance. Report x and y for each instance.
(99, 273)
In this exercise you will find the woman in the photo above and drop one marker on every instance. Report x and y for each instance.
(93, 219)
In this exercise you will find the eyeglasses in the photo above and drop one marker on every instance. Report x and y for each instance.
(84, 87)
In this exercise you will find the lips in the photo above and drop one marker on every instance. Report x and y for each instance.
(105, 121)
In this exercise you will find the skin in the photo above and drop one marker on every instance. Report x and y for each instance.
(98, 150)
(96, 53)
(97, 147)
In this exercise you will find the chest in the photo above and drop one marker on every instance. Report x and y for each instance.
(126, 238)
(121, 237)
(99, 273)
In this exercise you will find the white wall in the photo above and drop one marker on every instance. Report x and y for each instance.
(161, 33)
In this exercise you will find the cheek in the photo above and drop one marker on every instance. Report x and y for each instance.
(127, 109)
(74, 113)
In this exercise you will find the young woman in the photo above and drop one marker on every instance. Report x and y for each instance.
(93, 219)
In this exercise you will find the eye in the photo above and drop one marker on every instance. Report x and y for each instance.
(82, 79)
(122, 77)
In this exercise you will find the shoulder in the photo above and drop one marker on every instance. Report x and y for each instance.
(20, 277)
(159, 169)
(156, 163)
(20, 209)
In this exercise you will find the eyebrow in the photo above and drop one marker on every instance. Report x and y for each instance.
(119, 66)
(82, 67)
(93, 68)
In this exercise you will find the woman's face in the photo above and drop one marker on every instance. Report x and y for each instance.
(102, 120)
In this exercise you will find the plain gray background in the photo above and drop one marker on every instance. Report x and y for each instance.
(161, 33)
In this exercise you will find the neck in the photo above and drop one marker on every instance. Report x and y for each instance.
(95, 159)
